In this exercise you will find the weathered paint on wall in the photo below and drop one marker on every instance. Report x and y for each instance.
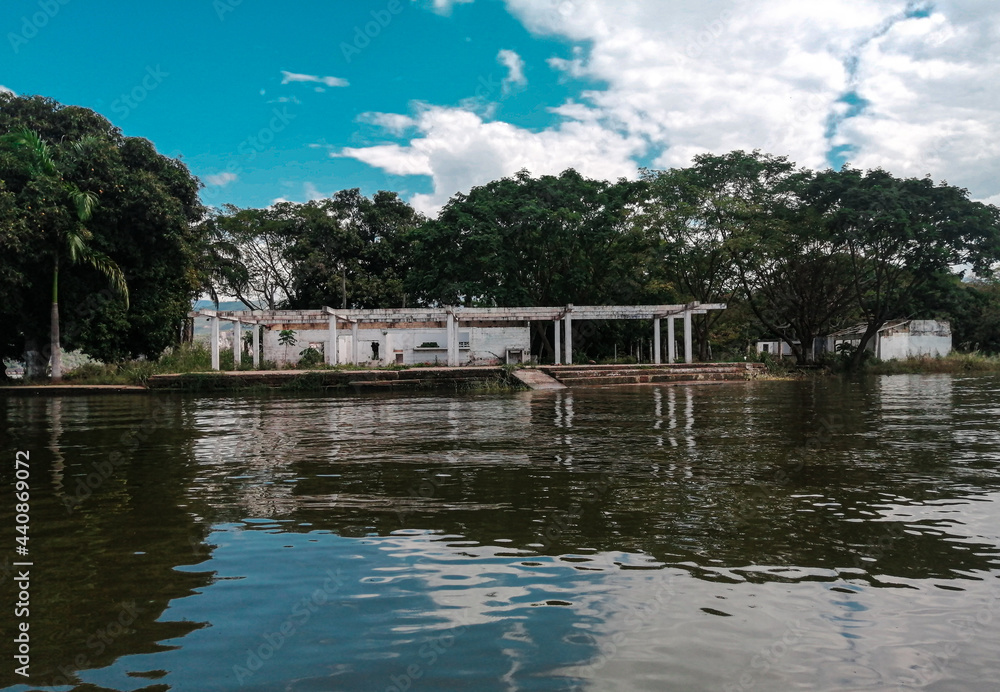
(477, 345)
(915, 338)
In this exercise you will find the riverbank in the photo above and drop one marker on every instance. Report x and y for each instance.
(504, 378)
(189, 374)
(477, 378)
(954, 363)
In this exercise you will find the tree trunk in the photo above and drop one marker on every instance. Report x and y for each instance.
(858, 355)
(343, 288)
(32, 360)
(54, 328)
(541, 329)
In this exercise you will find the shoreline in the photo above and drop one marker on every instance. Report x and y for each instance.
(484, 378)
(491, 378)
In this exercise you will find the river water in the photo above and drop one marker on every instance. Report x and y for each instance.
(807, 535)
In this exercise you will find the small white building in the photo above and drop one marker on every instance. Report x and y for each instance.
(898, 339)
(776, 347)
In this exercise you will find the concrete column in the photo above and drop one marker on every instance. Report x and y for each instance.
(569, 338)
(215, 343)
(656, 341)
(558, 349)
(354, 342)
(671, 341)
(688, 355)
(452, 341)
(256, 346)
(332, 355)
(237, 344)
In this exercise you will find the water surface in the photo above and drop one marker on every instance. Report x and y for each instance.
(820, 535)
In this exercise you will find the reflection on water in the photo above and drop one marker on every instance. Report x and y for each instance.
(773, 535)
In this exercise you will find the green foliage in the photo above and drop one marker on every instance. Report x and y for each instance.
(310, 357)
(531, 241)
(952, 363)
(140, 207)
(899, 235)
(286, 337)
(196, 357)
(346, 251)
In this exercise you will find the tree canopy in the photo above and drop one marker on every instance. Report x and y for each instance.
(142, 220)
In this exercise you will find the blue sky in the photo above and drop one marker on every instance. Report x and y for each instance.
(268, 101)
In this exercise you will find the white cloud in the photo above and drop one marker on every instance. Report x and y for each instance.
(221, 179)
(911, 91)
(722, 75)
(395, 123)
(5, 90)
(444, 6)
(312, 193)
(309, 194)
(515, 70)
(288, 77)
(458, 149)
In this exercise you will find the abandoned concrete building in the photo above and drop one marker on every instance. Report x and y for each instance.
(438, 336)
(896, 339)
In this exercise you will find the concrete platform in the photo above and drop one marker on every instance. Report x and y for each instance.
(536, 379)
(66, 389)
(429, 378)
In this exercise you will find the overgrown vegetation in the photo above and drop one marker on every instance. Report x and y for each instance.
(952, 363)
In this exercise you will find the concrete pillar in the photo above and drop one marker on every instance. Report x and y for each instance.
(569, 337)
(332, 352)
(215, 343)
(688, 355)
(452, 341)
(656, 341)
(237, 344)
(558, 349)
(256, 346)
(671, 341)
(354, 342)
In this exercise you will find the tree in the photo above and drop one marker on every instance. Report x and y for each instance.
(286, 338)
(685, 214)
(544, 241)
(794, 276)
(145, 218)
(347, 251)
(72, 238)
(248, 255)
(352, 251)
(899, 234)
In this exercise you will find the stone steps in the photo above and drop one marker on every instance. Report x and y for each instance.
(597, 375)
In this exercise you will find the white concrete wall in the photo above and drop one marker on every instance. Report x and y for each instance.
(773, 348)
(916, 338)
(930, 337)
(486, 345)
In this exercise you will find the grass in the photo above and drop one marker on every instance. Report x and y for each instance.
(952, 363)
(500, 384)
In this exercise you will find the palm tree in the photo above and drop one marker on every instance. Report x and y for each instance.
(73, 241)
